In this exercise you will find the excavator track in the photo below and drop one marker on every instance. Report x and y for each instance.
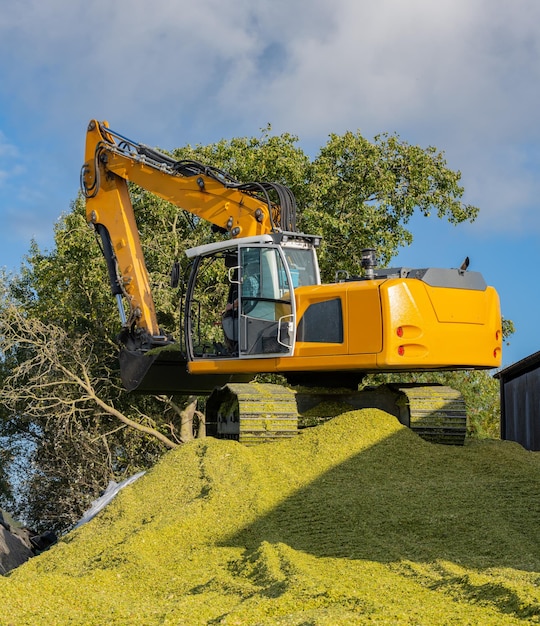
(436, 413)
(252, 413)
(255, 413)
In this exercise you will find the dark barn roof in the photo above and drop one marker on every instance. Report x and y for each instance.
(527, 364)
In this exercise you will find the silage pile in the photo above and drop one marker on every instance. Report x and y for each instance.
(355, 521)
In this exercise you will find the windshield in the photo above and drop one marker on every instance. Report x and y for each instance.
(302, 265)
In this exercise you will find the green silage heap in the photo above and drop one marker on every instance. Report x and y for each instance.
(355, 521)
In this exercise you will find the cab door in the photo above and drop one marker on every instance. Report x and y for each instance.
(266, 303)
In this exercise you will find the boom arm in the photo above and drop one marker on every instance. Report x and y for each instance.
(241, 209)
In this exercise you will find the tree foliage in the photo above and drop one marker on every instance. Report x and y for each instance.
(362, 195)
(355, 192)
(58, 329)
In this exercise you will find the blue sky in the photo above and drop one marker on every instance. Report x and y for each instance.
(462, 75)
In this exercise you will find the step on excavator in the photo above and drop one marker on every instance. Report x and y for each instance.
(254, 304)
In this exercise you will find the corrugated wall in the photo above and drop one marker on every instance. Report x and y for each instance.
(520, 419)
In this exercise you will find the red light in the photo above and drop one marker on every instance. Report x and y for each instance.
(399, 331)
(401, 350)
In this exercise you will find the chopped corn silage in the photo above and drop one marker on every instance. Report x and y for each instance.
(355, 521)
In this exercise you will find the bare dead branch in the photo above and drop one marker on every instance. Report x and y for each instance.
(56, 377)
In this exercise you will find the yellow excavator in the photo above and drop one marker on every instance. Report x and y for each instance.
(254, 304)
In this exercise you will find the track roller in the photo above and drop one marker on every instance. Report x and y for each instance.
(252, 413)
(435, 412)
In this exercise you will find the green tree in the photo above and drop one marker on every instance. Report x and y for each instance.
(356, 193)
(363, 193)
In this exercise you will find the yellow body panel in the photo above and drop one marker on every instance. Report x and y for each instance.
(441, 327)
(390, 325)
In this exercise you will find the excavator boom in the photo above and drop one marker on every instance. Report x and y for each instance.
(111, 160)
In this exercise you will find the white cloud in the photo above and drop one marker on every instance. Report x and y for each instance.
(312, 64)
(460, 74)
(395, 63)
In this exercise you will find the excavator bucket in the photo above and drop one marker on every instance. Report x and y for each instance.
(164, 371)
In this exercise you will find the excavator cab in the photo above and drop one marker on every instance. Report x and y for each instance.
(240, 296)
(239, 305)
